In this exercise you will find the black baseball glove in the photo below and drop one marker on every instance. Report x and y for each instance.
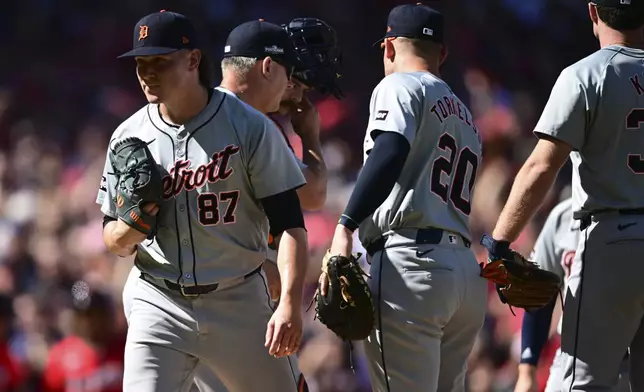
(347, 308)
(138, 183)
(519, 282)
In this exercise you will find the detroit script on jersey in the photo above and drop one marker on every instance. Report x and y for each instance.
(215, 170)
(184, 175)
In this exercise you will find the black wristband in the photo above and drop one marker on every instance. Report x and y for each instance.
(347, 222)
(496, 249)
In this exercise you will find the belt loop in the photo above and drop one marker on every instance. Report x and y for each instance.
(585, 219)
(188, 295)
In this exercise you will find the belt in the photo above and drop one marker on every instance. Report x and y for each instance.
(586, 216)
(428, 236)
(192, 291)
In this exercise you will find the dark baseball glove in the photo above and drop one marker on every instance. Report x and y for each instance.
(139, 182)
(519, 282)
(347, 308)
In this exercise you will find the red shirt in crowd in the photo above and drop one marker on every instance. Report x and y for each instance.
(10, 371)
(75, 366)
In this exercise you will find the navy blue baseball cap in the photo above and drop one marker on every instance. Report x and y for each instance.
(618, 3)
(260, 39)
(162, 33)
(415, 21)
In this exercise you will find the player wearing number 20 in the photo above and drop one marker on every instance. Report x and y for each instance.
(412, 204)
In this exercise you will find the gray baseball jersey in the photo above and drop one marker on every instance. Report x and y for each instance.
(429, 294)
(271, 252)
(436, 183)
(211, 229)
(555, 247)
(211, 226)
(597, 107)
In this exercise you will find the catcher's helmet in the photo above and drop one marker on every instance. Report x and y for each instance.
(318, 54)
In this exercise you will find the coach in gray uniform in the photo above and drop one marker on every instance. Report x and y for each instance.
(595, 114)
(412, 205)
(247, 48)
(201, 296)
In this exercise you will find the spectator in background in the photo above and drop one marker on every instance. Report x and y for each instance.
(91, 358)
(57, 112)
(11, 375)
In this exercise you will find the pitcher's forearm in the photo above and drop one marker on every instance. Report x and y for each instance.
(120, 239)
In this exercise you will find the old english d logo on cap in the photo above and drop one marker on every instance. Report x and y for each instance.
(162, 33)
(143, 32)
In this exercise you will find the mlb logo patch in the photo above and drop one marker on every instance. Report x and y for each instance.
(382, 115)
(452, 239)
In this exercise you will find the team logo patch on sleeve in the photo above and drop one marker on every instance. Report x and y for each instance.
(382, 115)
(103, 185)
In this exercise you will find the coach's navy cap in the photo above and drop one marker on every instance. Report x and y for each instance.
(415, 21)
(162, 33)
(618, 3)
(260, 39)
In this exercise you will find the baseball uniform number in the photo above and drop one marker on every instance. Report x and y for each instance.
(208, 205)
(466, 158)
(633, 121)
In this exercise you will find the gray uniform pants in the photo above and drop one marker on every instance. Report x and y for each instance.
(430, 305)
(557, 373)
(168, 335)
(604, 306)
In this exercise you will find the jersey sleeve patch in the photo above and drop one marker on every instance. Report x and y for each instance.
(381, 115)
(396, 106)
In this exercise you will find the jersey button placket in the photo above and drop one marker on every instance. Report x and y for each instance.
(184, 221)
(180, 148)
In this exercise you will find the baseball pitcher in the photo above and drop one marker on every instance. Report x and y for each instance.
(411, 203)
(190, 187)
(594, 115)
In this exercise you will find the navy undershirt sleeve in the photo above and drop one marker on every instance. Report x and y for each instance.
(534, 332)
(107, 219)
(377, 178)
(283, 211)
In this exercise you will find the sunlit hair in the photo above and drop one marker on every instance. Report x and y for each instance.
(238, 64)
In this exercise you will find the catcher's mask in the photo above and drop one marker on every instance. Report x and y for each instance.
(319, 57)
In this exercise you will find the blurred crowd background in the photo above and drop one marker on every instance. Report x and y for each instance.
(63, 92)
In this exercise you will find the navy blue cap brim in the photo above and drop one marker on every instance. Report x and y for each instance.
(148, 51)
(387, 35)
(394, 35)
